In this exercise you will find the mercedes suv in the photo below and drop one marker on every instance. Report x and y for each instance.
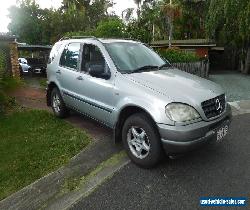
(151, 106)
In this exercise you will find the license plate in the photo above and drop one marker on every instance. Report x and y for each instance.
(221, 133)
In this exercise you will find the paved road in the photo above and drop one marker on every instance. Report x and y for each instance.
(221, 170)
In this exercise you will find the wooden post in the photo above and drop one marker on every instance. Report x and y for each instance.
(14, 59)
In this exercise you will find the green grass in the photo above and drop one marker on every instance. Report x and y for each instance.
(32, 144)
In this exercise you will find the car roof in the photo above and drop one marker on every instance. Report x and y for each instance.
(102, 40)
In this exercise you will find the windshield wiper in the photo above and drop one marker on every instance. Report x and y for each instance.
(144, 68)
(165, 65)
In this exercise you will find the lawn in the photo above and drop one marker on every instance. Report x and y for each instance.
(32, 144)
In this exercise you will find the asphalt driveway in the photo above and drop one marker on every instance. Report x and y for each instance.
(218, 170)
(236, 85)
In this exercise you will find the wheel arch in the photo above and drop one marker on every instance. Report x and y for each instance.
(123, 115)
(50, 87)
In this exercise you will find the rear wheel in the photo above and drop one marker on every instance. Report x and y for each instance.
(58, 106)
(141, 140)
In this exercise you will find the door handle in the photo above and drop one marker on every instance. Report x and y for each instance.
(58, 72)
(80, 78)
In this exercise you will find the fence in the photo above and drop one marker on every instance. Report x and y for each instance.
(200, 68)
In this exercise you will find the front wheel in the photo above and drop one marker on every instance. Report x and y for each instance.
(58, 106)
(141, 140)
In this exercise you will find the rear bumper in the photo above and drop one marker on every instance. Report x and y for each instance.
(180, 139)
(38, 69)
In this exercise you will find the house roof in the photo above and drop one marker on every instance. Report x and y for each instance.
(23, 46)
(185, 43)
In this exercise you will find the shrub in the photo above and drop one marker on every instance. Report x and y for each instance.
(174, 55)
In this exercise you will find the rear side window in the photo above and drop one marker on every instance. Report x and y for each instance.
(54, 52)
(70, 56)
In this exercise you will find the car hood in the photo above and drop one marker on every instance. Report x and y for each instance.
(178, 85)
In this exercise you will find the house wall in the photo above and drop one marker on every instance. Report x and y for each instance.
(202, 51)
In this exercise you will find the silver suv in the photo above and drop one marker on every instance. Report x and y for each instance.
(125, 85)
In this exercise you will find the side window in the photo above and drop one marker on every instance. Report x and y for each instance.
(70, 56)
(92, 56)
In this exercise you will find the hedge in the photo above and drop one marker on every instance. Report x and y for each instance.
(174, 55)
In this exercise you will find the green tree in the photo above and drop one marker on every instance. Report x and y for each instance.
(192, 20)
(26, 21)
(229, 22)
(146, 27)
(34, 25)
(111, 28)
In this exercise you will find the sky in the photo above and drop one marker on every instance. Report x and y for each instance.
(119, 6)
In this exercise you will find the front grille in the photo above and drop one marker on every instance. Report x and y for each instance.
(214, 107)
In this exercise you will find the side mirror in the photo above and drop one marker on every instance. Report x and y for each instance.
(98, 71)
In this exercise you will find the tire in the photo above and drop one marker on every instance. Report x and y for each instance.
(146, 151)
(58, 106)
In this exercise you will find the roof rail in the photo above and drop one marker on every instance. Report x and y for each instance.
(131, 39)
(83, 37)
(64, 38)
(77, 37)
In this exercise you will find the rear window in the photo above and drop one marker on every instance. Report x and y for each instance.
(54, 52)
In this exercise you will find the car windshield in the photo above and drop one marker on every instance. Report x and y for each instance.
(130, 57)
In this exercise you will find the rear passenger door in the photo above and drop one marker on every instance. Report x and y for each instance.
(68, 74)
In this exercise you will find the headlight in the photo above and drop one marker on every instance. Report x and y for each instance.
(181, 112)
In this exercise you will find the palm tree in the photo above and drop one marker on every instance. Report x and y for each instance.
(127, 14)
(138, 3)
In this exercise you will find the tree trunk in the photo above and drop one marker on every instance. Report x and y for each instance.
(247, 63)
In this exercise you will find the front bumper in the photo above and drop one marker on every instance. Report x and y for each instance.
(180, 139)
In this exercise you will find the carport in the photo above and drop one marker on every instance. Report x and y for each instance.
(36, 56)
(34, 50)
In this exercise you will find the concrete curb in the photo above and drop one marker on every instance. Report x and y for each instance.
(88, 184)
(240, 107)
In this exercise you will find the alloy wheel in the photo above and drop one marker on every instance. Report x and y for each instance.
(138, 142)
(56, 103)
